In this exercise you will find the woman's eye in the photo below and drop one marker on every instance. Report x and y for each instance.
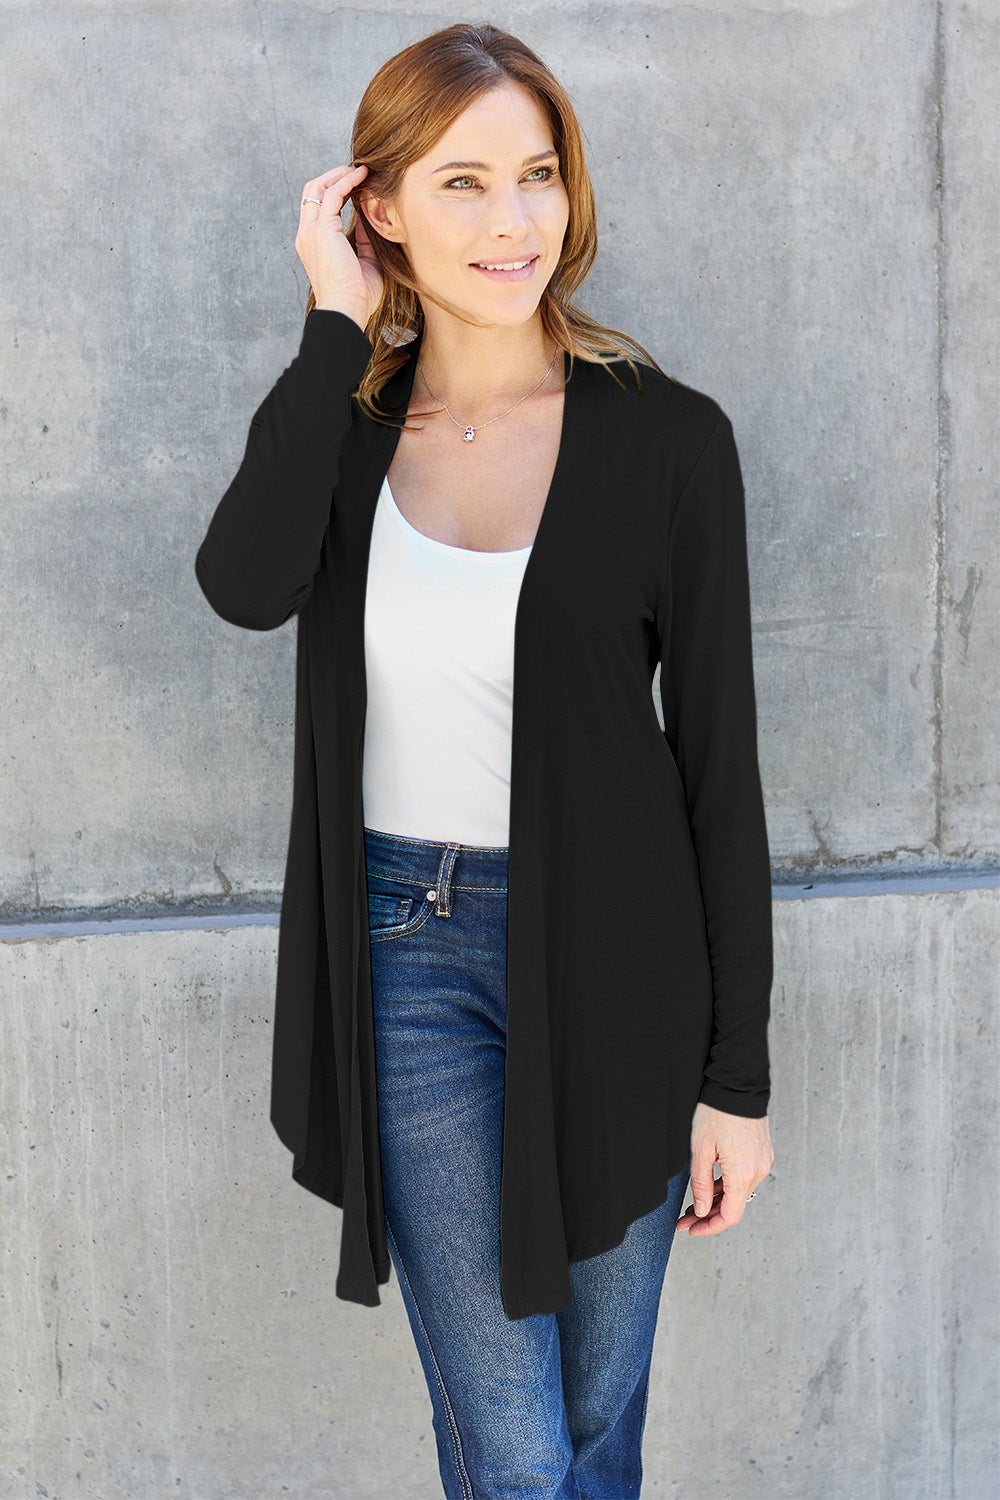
(547, 172)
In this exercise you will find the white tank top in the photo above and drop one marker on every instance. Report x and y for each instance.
(439, 659)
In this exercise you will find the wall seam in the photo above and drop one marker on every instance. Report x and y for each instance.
(925, 883)
(943, 429)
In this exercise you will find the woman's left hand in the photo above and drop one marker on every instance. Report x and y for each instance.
(743, 1150)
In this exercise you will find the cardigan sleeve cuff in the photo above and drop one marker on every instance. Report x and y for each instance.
(751, 1106)
(334, 334)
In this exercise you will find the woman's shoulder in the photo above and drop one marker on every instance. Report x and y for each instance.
(655, 398)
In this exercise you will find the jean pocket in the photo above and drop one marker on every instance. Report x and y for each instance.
(388, 911)
(392, 913)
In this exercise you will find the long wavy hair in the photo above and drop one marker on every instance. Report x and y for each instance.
(406, 108)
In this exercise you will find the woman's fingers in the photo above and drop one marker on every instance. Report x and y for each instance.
(703, 1184)
(708, 1194)
(332, 189)
(729, 1203)
(335, 272)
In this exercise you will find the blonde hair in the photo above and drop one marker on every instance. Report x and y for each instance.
(408, 105)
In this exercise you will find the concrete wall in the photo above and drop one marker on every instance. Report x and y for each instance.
(798, 214)
(170, 1322)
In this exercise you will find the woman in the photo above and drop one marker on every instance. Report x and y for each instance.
(525, 951)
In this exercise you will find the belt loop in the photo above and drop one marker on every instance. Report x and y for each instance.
(441, 907)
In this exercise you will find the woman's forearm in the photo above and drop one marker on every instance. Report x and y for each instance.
(259, 557)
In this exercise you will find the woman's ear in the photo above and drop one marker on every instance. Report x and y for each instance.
(380, 215)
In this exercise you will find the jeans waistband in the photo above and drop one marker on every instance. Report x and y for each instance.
(438, 864)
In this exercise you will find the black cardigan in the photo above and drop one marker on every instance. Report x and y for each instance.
(639, 945)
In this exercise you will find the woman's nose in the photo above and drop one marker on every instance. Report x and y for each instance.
(508, 212)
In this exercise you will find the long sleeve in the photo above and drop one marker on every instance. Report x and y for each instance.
(260, 555)
(709, 716)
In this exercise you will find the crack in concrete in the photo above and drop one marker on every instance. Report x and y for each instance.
(274, 106)
(224, 881)
(963, 607)
(943, 443)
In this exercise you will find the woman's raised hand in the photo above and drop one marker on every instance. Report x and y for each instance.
(340, 279)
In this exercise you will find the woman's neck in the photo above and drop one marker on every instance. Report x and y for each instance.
(475, 370)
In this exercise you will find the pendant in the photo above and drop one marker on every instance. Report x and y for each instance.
(469, 434)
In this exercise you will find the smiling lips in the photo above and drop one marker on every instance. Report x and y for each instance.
(516, 270)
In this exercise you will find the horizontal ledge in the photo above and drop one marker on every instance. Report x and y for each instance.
(12, 932)
(904, 883)
(78, 923)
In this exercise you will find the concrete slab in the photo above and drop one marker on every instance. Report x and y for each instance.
(169, 1319)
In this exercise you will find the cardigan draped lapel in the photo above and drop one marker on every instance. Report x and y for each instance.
(530, 1201)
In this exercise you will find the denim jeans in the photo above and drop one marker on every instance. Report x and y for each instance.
(552, 1405)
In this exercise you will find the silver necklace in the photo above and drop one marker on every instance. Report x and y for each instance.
(469, 433)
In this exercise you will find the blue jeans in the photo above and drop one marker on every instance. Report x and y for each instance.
(551, 1405)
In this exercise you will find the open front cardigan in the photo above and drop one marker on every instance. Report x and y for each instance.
(639, 940)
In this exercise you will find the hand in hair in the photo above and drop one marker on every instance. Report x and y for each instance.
(340, 279)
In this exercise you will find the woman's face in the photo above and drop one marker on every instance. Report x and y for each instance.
(488, 193)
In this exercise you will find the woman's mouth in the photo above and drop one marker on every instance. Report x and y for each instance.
(505, 270)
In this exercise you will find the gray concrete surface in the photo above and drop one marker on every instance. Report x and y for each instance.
(169, 1320)
(798, 210)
